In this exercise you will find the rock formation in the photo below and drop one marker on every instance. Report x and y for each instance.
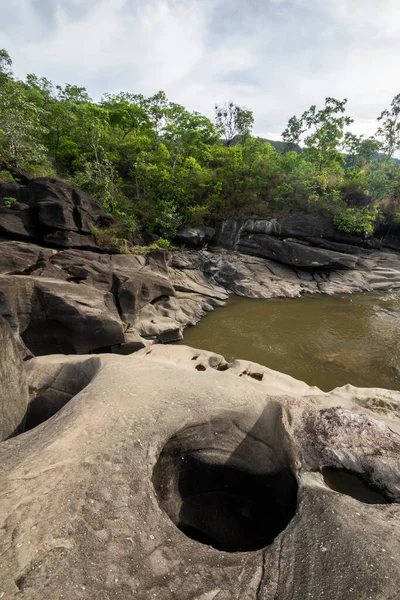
(61, 292)
(172, 474)
(46, 210)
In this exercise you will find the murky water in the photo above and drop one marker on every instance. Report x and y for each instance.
(326, 341)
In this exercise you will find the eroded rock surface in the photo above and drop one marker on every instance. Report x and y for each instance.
(13, 385)
(172, 474)
(77, 301)
(255, 277)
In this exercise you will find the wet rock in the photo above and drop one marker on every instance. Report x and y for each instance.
(160, 479)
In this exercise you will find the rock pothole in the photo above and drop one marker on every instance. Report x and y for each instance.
(51, 388)
(226, 487)
(351, 484)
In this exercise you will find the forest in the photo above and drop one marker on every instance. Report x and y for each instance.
(157, 166)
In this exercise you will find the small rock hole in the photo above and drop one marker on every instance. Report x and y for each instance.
(258, 376)
(353, 485)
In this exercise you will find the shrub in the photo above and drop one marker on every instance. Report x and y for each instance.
(9, 202)
(169, 219)
(6, 177)
(109, 237)
(353, 220)
(160, 244)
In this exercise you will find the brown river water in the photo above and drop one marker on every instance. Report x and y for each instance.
(326, 341)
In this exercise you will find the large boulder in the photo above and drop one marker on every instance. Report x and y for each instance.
(47, 210)
(54, 316)
(173, 474)
(294, 254)
(13, 385)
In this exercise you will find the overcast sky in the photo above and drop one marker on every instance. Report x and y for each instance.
(276, 57)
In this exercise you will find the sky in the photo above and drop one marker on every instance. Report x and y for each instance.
(275, 57)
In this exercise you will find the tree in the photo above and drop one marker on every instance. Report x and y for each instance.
(21, 130)
(233, 120)
(324, 129)
(389, 130)
(293, 132)
(126, 116)
(360, 151)
(5, 65)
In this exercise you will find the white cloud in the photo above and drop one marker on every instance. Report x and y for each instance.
(275, 56)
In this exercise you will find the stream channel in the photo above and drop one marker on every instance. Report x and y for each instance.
(327, 341)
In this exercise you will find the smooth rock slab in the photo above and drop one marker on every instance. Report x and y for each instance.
(128, 491)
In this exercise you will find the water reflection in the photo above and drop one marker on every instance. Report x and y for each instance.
(323, 340)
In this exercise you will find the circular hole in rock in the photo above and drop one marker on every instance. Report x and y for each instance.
(351, 484)
(226, 488)
(58, 384)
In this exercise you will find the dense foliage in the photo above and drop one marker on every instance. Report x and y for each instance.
(156, 165)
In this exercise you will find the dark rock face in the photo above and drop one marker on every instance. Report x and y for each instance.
(195, 236)
(303, 226)
(13, 385)
(317, 230)
(50, 211)
(389, 233)
(293, 253)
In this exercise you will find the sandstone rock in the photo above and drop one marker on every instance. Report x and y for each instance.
(53, 381)
(317, 229)
(195, 236)
(53, 297)
(173, 474)
(13, 385)
(255, 277)
(54, 316)
(18, 258)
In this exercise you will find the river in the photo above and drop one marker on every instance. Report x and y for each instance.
(326, 341)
